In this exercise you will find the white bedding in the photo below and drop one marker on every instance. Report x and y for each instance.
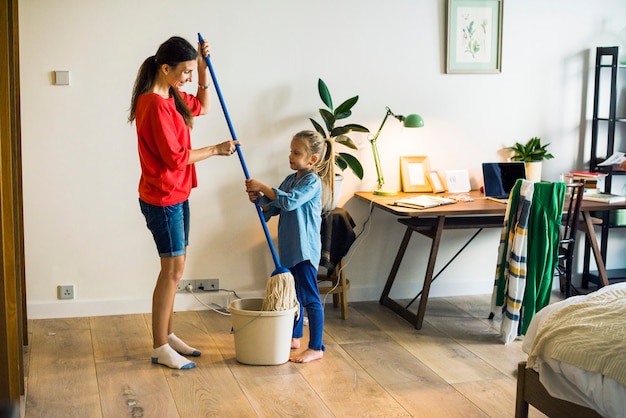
(564, 381)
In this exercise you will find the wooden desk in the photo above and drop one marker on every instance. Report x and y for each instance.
(477, 214)
(587, 227)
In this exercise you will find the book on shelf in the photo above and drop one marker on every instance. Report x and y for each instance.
(587, 174)
(588, 184)
(604, 198)
(423, 201)
(590, 191)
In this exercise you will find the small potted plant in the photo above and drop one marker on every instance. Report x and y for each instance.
(339, 134)
(532, 153)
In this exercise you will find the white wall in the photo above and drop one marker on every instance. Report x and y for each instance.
(82, 220)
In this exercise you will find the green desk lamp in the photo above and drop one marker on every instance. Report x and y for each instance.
(409, 121)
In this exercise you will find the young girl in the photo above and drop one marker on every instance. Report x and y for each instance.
(163, 116)
(298, 200)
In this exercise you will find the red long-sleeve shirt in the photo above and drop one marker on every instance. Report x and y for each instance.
(164, 143)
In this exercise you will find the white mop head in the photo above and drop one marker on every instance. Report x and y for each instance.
(280, 293)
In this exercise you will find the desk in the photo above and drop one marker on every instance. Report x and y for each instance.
(478, 214)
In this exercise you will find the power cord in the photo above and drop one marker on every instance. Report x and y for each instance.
(216, 308)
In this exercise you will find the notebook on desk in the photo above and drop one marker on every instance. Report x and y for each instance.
(499, 179)
(423, 201)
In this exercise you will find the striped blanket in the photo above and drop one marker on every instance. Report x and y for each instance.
(510, 280)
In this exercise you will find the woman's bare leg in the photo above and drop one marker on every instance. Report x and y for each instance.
(163, 298)
(162, 310)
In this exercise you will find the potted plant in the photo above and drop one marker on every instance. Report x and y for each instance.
(532, 153)
(339, 134)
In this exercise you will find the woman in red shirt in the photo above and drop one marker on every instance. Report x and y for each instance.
(163, 115)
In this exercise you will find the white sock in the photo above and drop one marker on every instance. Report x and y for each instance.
(180, 346)
(167, 356)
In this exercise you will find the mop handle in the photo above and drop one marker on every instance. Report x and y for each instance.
(225, 110)
(240, 155)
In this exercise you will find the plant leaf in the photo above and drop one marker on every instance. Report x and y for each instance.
(329, 119)
(318, 128)
(339, 130)
(340, 162)
(345, 109)
(346, 141)
(531, 151)
(342, 115)
(324, 94)
(353, 163)
(356, 128)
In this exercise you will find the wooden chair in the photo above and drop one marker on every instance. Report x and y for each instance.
(336, 284)
(337, 237)
(567, 240)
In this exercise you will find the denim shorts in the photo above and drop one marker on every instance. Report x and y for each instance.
(169, 226)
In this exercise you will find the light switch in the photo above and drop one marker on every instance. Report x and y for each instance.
(61, 78)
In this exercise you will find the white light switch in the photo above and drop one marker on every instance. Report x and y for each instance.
(61, 78)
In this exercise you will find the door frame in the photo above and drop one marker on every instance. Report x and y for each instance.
(13, 320)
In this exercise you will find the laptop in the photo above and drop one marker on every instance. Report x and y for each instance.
(499, 179)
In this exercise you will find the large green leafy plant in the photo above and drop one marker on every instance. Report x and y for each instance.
(531, 151)
(339, 134)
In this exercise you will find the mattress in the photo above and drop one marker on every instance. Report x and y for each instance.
(568, 381)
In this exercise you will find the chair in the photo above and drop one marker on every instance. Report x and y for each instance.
(337, 238)
(527, 254)
(336, 284)
(567, 239)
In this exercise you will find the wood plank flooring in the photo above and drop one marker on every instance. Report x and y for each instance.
(376, 365)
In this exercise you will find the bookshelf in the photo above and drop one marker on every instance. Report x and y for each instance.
(605, 123)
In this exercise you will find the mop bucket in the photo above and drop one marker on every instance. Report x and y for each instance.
(261, 337)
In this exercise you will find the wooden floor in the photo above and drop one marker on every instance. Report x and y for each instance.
(376, 365)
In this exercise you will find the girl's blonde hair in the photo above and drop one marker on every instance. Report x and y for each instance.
(316, 144)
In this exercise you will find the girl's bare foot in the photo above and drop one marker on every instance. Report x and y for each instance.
(307, 356)
(295, 343)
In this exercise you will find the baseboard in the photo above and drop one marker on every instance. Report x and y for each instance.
(187, 302)
(80, 308)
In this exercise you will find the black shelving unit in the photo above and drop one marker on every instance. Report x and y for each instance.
(603, 133)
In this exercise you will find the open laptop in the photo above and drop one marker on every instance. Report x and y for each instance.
(499, 179)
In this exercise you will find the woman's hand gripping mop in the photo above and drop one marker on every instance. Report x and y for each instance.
(280, 288)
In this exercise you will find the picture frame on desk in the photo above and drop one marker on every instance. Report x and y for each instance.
(435, 182)
(474, 36)
(413, 170)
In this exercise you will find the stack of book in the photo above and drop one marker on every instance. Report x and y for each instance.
(591, 180)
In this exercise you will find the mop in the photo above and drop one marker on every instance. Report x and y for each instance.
(280, 288)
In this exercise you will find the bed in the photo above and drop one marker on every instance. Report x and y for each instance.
(576, 364)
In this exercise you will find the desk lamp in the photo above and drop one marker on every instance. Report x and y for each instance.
(410, 121)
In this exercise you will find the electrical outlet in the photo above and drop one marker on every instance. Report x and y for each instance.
(65, 291)
(182, 285)
(199, 285)
(209, 285)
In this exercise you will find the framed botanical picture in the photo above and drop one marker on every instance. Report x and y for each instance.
(474, 42)
(435, 182)
(413, 173)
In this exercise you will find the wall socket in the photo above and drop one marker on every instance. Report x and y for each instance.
(199, 285)
(65, 291)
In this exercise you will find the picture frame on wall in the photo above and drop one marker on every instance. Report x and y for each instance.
(474, 32)
(413, 172)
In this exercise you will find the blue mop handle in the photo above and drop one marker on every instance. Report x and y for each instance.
(279, 268)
